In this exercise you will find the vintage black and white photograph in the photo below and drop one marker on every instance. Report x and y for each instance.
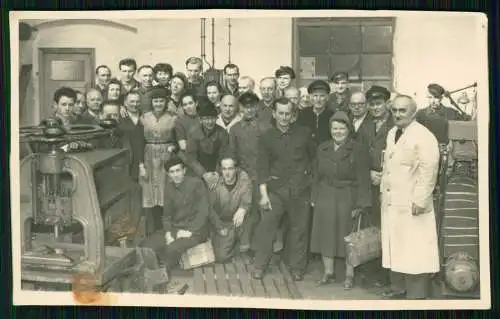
(255, 159)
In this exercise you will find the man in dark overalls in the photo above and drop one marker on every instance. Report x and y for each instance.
(285, 155)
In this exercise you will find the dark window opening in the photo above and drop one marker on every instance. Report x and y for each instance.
(362, 47)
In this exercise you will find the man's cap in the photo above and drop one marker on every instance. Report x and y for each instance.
(318, 85)
(248, 98)
(206, 108)
(173, 161)
(158, 91)
(283, 70)
(436, 90)
(339, 76)
(378, 92)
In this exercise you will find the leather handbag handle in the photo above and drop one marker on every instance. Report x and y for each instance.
(357, 227)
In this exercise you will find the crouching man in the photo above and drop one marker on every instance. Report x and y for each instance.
(231, 202)
(185, 215)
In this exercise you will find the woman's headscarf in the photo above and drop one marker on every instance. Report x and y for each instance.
(342, 117)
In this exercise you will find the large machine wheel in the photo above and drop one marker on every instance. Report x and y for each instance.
(460, 238)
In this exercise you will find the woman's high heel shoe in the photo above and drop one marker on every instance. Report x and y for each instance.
(326, 279)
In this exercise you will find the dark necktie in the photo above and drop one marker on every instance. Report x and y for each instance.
(399, 132)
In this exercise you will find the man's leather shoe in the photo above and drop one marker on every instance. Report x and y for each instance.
(326, 279)
(258, 274)
(348, 283)
(392, 294)
(297, 276)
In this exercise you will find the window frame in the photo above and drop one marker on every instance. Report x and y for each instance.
(345, 22)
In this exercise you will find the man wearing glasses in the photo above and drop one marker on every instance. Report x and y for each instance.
(361, 120)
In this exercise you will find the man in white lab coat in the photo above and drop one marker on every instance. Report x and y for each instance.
(409, 234)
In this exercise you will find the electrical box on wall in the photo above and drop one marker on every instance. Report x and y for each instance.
(213, 75)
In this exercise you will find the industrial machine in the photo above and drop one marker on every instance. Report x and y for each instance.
(213, 74)
(459, 206)
(76, 209)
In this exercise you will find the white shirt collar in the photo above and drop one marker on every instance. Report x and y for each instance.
(227, 127)
(133, 117)
(357, 122)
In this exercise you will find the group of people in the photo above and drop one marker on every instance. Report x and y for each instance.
(217, 162)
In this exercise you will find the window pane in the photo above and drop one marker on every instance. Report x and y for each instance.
(67, 70)
(345, 63)
(377, 39)
(322, 66)
(307, 67)
(376, 66)
(346, 39)
(314, 40)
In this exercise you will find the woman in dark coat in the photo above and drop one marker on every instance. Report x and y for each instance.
(341, 191)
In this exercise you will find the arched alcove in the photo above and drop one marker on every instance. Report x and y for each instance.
(102, 22)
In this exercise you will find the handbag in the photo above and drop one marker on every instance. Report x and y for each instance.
(362, 245)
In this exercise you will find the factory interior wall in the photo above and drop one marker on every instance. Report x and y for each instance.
(442, 50)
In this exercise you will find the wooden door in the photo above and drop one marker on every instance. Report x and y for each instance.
(71, 67)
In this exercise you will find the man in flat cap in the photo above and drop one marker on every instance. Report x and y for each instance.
(244, 142)
(185, 215)
(204, 151)
(284, 77)
(339, 98)
(436, 116)
(188, 131)
(317, 117)
(375, 139)
(244, 135)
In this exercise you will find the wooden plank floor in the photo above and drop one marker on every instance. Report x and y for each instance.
(234, 279)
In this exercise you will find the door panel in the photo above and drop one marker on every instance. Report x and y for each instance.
(73, 68)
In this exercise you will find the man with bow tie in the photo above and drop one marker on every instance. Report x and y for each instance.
(409, 234)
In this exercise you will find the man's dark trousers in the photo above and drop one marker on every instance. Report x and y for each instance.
(296, 245)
